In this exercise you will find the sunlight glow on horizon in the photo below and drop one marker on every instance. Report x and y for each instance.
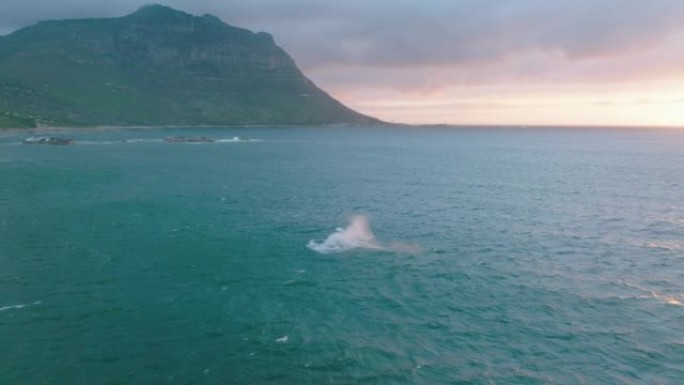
(631, 104)
(466, 62)
(641, 86)
(588, 110)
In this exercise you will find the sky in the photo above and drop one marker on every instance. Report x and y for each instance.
(499, 62)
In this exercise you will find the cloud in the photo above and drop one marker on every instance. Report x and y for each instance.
(406, 49)
(397, 33)
(412, 33)
(402, 33)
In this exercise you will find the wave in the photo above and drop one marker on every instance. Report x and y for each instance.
(92, 142)
(137, 140)
(675, 300)
(358, 235)
(220, 140)
(669, 299)
(669, 246)
(237, 139)
(19, 306)
(142, 140)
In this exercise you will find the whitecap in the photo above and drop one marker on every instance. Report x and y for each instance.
(358, 235)
(236, 139)
(675, 300)
(669, 246)
(19, 306)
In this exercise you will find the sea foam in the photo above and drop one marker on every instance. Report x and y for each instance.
(19, 306)
(358, 235)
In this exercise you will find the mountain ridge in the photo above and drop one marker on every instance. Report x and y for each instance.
(156, 66)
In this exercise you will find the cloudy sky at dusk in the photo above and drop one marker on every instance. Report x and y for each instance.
(590, 62)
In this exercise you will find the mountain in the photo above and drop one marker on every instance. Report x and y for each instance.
(156, 66)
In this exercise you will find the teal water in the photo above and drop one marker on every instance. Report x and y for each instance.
(499, 256)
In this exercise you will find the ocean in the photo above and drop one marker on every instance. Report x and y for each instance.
(343, 255)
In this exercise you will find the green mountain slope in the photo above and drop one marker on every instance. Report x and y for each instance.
(156, 66)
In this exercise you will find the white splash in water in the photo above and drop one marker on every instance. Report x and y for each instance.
(358, 235)
(669, 246)
(675, 300)
(19, 306)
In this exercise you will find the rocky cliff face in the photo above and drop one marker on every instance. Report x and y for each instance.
(157, 66)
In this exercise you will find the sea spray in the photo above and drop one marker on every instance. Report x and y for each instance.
(358, 235)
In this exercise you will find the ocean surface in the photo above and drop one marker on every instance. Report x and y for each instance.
(343, 256)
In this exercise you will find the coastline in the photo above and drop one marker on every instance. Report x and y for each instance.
(36, 130)
(57, 129)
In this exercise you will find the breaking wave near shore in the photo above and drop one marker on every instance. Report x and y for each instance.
(359, 235)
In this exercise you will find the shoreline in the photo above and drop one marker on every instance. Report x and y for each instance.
(38, 130)
(144, 127)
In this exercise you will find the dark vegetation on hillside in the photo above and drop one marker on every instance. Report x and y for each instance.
(156, 66)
